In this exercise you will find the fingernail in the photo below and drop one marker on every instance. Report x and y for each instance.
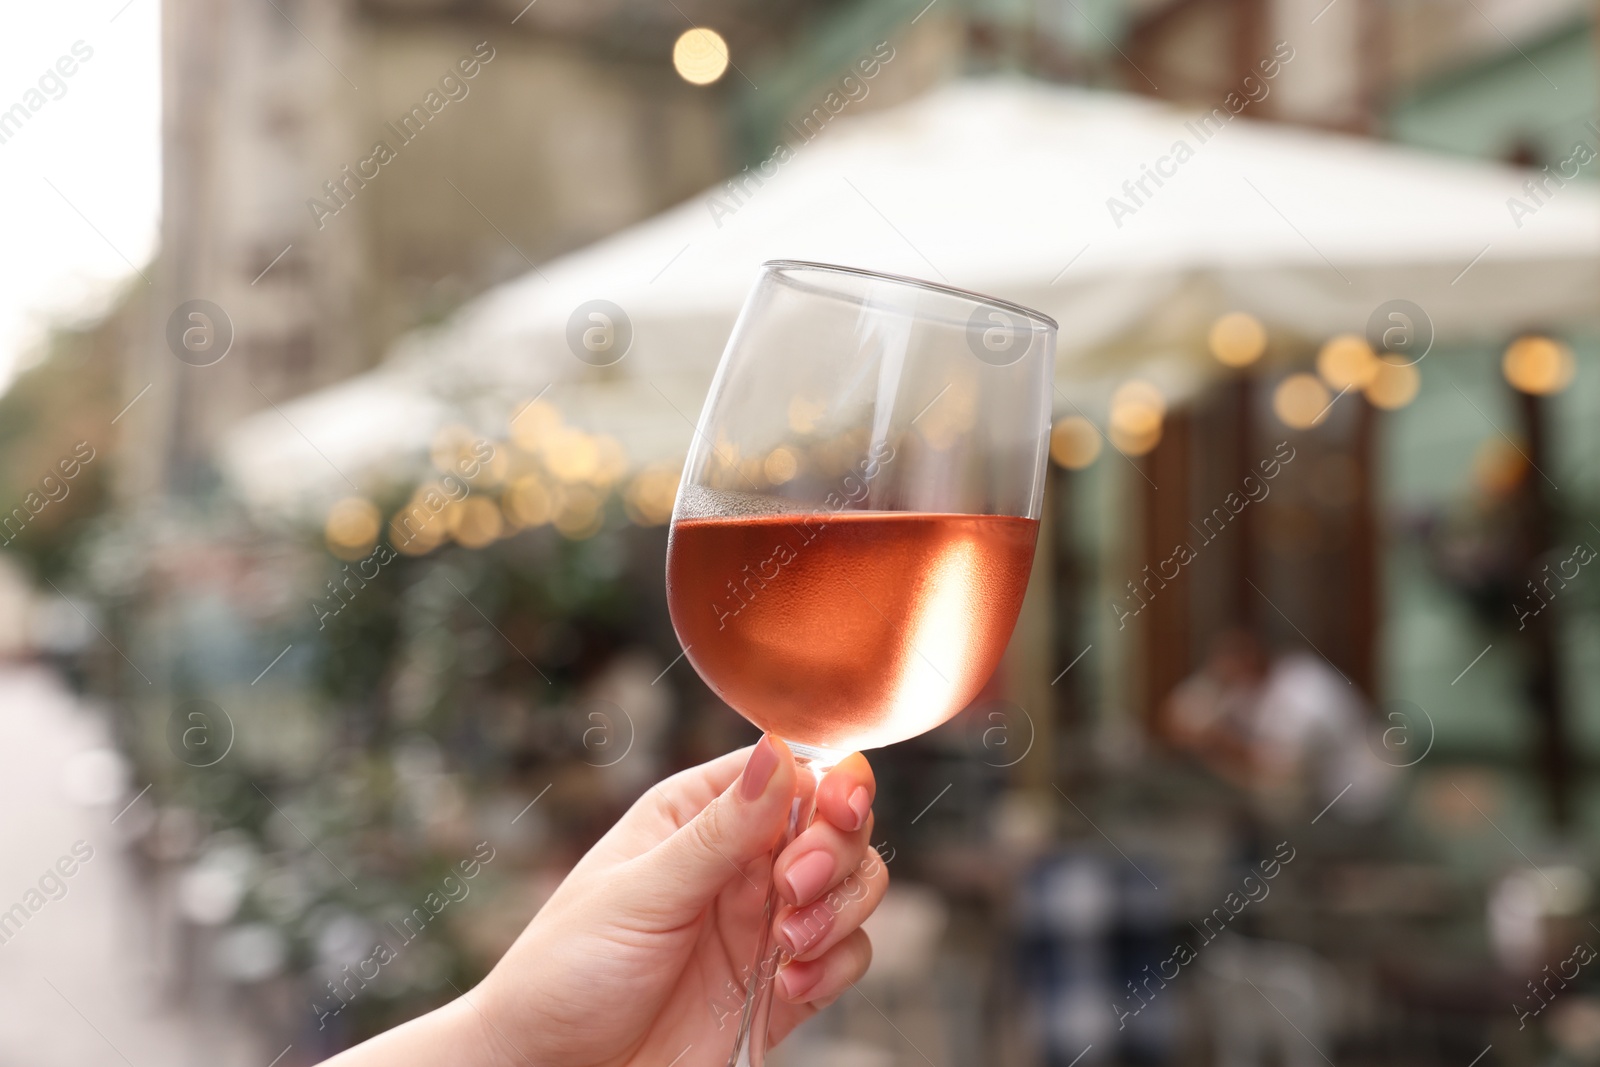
(798, 979)
(803, 931)
(861, 803)
(758, 770)
(808, 876)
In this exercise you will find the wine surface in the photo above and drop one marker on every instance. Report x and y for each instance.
(848, 630)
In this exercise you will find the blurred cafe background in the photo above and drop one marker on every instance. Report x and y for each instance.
(352, 351)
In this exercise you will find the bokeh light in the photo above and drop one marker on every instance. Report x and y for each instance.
(477, 522)
(450, 517)
(1135, 443)
(491, 471)
(352, 528)
(1347, 362)
(942, 425)
(1301, 401)
(534, 424)
(1074, 443)
(412, 538)
(1538, 365)
(572, 456)
(1137, 407)
(1498, 467)
(424, 522)
(1394, 385)
(530, 502)
(781, 465)
(611, 462)
(452, 446)
(582, 513)
(1237, 339)
(804, 413)
(700, 56)
(649, 498)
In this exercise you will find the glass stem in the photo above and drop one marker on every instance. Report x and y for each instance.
(750, 1047)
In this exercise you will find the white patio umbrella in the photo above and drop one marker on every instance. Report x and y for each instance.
(1004, 187)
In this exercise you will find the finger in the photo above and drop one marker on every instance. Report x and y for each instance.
(660, 811)
(694, 788)
(676, 879)
(820, 858)
(845, 796)
(822, 979)
(808, 932)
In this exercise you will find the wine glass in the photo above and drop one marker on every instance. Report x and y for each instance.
(857, 517)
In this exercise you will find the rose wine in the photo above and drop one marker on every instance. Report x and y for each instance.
(847, 630)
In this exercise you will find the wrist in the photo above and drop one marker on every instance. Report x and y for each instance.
(457, 1033)
(464, 1027)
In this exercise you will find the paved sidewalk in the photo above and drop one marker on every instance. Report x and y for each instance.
(77, 984)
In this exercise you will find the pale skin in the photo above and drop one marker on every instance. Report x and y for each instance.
(640, 957)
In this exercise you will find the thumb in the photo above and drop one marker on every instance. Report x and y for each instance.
(685, 872)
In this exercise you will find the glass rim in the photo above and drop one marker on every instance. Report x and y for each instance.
(1039, 317)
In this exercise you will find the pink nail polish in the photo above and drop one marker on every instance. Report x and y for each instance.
(758, 769)
(798, 979)
(861, 804)
(804, 930)
(808, 876)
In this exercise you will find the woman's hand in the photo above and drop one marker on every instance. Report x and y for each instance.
(643, 953)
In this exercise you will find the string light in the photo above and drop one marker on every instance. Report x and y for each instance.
(534, 424)
(529, 502)
(1237, 339)
(611, 462)
(1498, 467)
(420, 526)
(1137, 410)
(452, 445)
(700, 56)
(649, 498)
(477, 523)
(805, 413)
(1074, 443)
(572, 456)
(1347, 362)
(582, 514)
(1538, 365)
(941, 425)
(1135, 444)
(1137, 407)
(1300, 401)
(1394, 386)
(352, 528)
(781, 465)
